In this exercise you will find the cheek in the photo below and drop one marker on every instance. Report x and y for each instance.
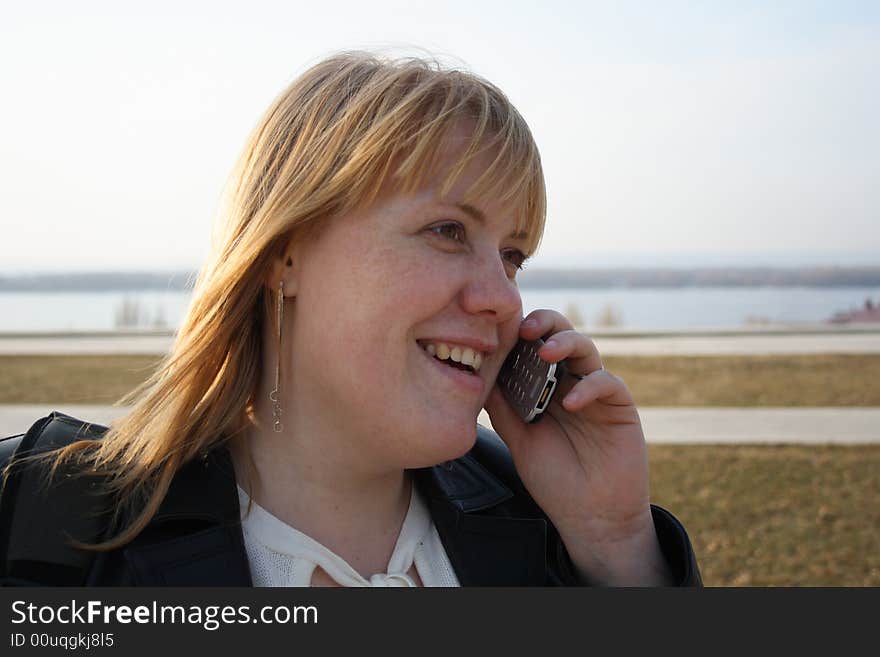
(510, 333)
(508, 336)
(411, 287)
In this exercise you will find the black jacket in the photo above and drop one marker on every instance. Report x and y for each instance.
(491, 529)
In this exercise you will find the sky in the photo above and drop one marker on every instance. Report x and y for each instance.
(672, 134)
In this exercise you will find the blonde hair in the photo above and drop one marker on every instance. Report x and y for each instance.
(325, 146)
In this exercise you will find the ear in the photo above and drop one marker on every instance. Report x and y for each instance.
(285, 268)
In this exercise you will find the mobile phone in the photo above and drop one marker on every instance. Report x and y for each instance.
(527, 382)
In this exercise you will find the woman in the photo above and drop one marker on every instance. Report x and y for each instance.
(372, 237)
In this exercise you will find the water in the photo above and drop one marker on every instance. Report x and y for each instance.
(636, 308)
(88, 311)
(703, 307)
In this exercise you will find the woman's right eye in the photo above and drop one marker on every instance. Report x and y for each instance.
(450, 230)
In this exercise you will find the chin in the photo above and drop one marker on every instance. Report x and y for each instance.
(445, 440)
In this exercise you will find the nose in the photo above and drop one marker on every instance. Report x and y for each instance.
(489, 290)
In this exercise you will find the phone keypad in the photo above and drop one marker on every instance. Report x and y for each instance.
(523, 377)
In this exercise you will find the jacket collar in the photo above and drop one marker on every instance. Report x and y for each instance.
(485, 543)
(483, 549)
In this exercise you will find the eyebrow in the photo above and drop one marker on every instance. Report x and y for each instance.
(479, 217)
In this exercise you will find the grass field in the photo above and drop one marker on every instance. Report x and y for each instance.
(789, 515)
(757, 515)
(817, 380)
(808, 380)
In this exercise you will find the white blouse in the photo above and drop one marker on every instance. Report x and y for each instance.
(280, 555)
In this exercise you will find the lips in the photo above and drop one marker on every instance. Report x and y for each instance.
(461, 374)
(469, 351)
(460, 356)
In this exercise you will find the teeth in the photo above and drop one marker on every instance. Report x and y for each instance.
(458, 354)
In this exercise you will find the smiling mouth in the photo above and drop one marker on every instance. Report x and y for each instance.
(455, 356)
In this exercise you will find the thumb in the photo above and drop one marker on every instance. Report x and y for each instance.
(505, 421)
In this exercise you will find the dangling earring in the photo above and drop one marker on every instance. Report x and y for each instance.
(273, 396)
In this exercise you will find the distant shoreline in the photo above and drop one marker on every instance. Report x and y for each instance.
(655, 277)
(780, 329)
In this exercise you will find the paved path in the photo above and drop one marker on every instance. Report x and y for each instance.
(843, 426)
(710, 425)
(683, 343)
(80, 344)
(735, 345)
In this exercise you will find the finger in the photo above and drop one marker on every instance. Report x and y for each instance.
(579, 352)
(600, 385)
(543, 322)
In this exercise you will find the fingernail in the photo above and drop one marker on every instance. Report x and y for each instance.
(529, 323)
(551, 343)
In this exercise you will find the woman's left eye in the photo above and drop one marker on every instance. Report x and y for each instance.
(515, 257)
(451, 230)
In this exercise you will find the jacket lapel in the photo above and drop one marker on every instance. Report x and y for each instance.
(204, 500)
(484, 549)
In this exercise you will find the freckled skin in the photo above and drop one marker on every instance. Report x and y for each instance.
(371, 285)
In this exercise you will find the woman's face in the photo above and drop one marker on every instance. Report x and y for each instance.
(381, 288)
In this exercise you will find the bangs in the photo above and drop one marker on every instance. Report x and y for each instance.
(357, 123)
(415, 108)
(513, 178)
